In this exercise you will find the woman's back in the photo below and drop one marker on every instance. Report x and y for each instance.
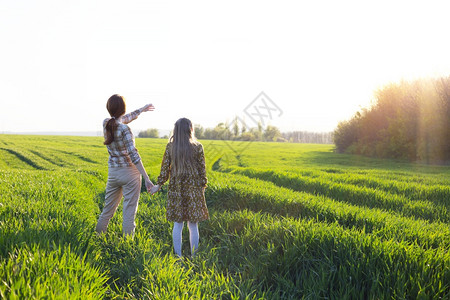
(122, 150)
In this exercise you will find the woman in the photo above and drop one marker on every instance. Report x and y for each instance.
(184, 163)
(124, 166)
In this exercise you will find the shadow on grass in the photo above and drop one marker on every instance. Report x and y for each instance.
(24, 159)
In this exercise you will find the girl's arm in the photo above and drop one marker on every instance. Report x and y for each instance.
(165, 171)
(202, 166)
(125, 119)
(165, 167)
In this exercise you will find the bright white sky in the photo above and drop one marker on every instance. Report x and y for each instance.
(319, 61)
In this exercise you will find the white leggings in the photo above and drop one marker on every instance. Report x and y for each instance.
(177, 237)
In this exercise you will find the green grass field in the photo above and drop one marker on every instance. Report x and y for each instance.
(288, 221)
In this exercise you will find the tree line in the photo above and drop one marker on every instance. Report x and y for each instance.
(309, 137)
(408, 120)
(237, 131)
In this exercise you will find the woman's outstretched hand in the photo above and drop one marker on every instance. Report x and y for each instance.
(147, 107)
(154, 189)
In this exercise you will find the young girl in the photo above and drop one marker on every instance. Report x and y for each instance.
(124, 166)
(184, 163)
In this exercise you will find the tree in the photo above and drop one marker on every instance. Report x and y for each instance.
(271, 133)
(222, 132)
(250, 135)
(259, 131)
(209, 134)
(149, 133)
(235, 127)
(244, 127)
(199, 131)
(409, 120)
(346, 134)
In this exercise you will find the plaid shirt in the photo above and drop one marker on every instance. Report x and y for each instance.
(122, 151)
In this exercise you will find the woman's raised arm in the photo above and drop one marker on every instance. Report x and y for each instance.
(125, 119)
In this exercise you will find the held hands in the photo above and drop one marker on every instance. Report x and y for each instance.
(151, 188)
(154, 189)
(149, 185)
(147, 107)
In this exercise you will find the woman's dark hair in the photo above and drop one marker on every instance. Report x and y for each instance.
(116, 108)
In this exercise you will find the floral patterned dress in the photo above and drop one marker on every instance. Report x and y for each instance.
(186, 193)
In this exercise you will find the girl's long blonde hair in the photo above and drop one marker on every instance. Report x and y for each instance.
(182, 139)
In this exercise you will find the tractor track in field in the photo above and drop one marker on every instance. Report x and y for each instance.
(61, 164)
(83, 158)
(24, 159)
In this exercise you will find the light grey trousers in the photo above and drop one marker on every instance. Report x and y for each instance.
(126, 182)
